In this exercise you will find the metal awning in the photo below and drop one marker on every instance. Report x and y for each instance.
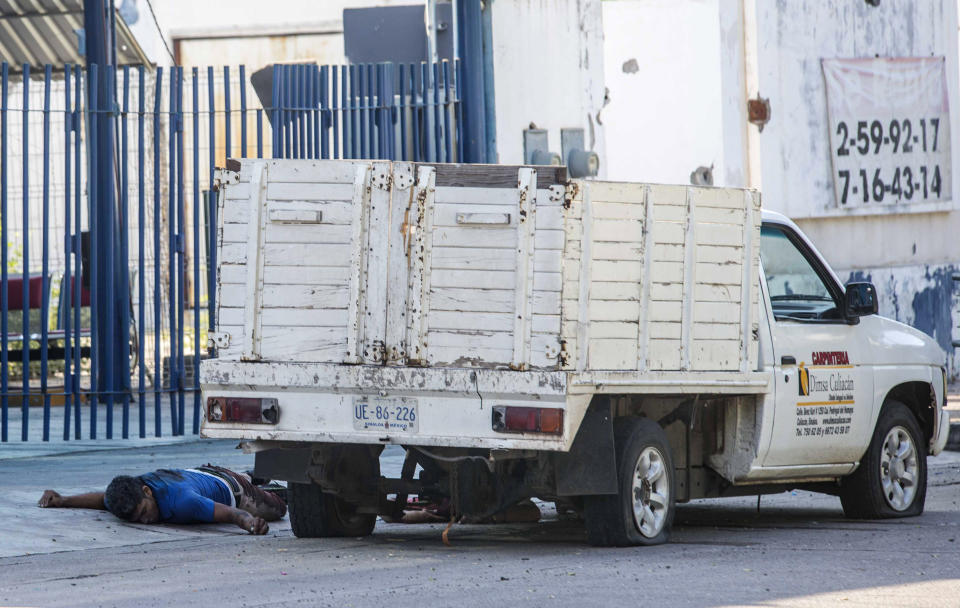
(39, 32)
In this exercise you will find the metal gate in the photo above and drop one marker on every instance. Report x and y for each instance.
(104, 321)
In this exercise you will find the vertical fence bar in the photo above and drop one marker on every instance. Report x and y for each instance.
(378, 112)
(402, 110)
(389, 111)
(196, 232)
(172, 293)
(290, 117)
(334, 119)
(107, 232)
(275, 112)
(458, 93)
(25, 257)
(4, 305)
(415, 116)
(141, 231)
(309, 83)
(324, 122)
(76, 288)
(124, 265)
(303, 88)
(45, 248)
(243, 113)
(157, 332)
(361, 90)
(447, 130)
(437, 123)
(93, 187)
(347, 137)
(65, 285)
(180, 251)
(228, 149)
(371, 112)
(259, 133)
(211, 123)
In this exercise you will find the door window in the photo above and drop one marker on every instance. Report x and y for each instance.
(797, 288)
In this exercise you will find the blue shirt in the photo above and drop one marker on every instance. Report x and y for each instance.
(185, 497)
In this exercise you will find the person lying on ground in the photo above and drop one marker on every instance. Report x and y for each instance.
(202, 495)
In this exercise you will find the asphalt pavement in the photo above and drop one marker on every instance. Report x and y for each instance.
(797, 550)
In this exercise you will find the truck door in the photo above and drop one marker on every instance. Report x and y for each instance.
(823, 399)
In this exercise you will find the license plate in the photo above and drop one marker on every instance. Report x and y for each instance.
(387, 414)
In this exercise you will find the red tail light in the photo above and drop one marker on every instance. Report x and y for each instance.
(513, 419)
(243, 409)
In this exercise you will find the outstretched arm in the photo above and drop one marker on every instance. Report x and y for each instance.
(228, 515)
(90, 500)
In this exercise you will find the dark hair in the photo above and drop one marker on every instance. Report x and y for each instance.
(123, 495)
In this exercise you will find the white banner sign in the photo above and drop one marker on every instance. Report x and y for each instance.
(889, 131)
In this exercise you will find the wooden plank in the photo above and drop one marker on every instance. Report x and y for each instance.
(493, 300)
(716, 355)
(469, 339)
(375, 266)
(727, 198)
(617, 231)
(603, 210)
(719, 255)
(291, 233)
(706, 292)
(354, 256)
(492, 176)
(617, 251)
(454, 356)
(622, 192)
(716, 331)
(523, 276)
(613, 329)
(662, 194)
(643, 325)
(283, 275)
(549, 240)
(481, 321)
(611, 310)
(665, 330)
(420, 263)
(475, 258)
(253, 286)
(403, 219)
(301, 171)
(722, 234)
(334, 212)
(667, 291)
(669, 232)
(280, 191)
(717, 312)
(720, 274)
(719, 215)
(285, 316)
(666, 311)
(547, 281)
(493, 237)
(666, 272)
(605, 270)
(235, 193)
(668, 252)
(282, 254)
(473, 279)
(298, 296)
(546, 324)
(611, 354)
(586, 277)
(669, 213)
(663, 354)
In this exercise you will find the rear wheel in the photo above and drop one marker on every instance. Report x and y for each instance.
(892, 478)
(316, 514)
(641, 513)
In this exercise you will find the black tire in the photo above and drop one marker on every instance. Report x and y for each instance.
(862, 494)
(316, 514)
(610, 519)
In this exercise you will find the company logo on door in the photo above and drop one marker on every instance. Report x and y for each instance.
(829, 384)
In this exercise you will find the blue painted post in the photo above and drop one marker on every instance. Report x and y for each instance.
(428, 122)
(196, 232)
(123, 263)
(349, 126)
(403, 112)
(93, 187)
(361, 75)
(259, 133)
(77, 123)
(371, 113)
(157, 329)
(45, 238)
(275, 110)
(334, 118)
(415, 116)
(211, 123)
(437, 123)
(324, 122)
(141, 232)
(474, 92)
(65, 287)
(107, 230)
(4, 306)
(447, 141)
(243, 112)
(228, 149)
(290, 142)
(458, 101)
(308, 82)
(390, 112)
(172, 293)
(25, 274)
(180, 250)
(344, 116)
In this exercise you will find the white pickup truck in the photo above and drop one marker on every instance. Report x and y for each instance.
(612, 347)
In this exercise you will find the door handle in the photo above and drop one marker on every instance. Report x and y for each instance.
(788, 360)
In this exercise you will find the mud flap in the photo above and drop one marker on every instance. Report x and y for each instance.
(283, 464)
(590, 467)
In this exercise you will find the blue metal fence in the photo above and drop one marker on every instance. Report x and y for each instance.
(89, 330)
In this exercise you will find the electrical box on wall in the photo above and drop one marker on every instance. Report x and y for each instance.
(579, 161)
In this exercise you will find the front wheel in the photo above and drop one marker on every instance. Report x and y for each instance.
(641, 513)
(316, 514)
(892, 478)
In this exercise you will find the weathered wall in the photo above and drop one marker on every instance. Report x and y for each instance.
(548, 70)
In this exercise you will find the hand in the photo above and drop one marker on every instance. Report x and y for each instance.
(255, 525)
(50, 498)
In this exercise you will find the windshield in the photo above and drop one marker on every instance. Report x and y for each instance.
(795, 288)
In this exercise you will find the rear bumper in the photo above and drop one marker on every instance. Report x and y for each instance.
(316, 402)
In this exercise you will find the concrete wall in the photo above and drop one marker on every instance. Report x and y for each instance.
(548, 70)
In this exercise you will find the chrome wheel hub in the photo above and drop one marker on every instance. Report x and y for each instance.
(650, 492)
(899, 469)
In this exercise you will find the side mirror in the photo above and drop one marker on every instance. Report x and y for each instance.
(860, 300)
